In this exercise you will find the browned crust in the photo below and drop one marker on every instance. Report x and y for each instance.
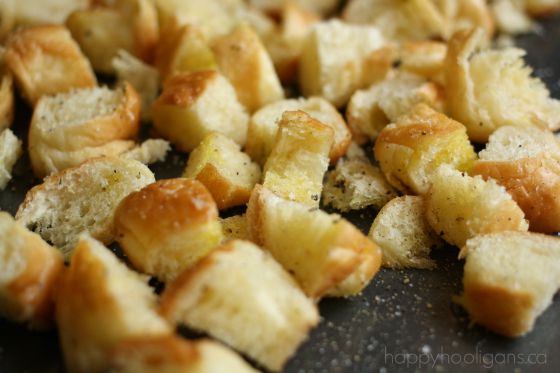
(225, 193)
(6, 101)
(340, 143)
(378, 64)
(26, 52)
(184, 89)
(253, 216)
(146, 30)
(414, 134)
(534, 183)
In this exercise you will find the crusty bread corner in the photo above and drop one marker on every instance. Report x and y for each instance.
(235, 228)
(192, 105)
(240, 295)
(6, 98)
(167, 226)
(46, 60)
(509, 279)
(263, 126)
(29, 271)
(171, 353)
(10, 151)
(227, 172)
(101, 302)
(149, 151)
(50, 12)
(299, 158)
(81, 198)
(459, 207)
(318, 249)
(69, 128)
(410, 150)
(526, 161)
(243, 59)
(356, 184)
(403, 234)
(370, 110)
(493, 88)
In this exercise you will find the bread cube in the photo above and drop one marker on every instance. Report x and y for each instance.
(167, 226)
(489, 89)
(227, 172)
(69, 128)
(42, 12)
(526, 161)
(318, 249)
(510, 17)
(196, 104)
(459, 207)
(10, 151)
(263, 126)
(403, 234)
(101, 302)
(243, 59)
(235, 228)
(240, 295)
(410, 150)
(82, 198)
(370, 110)
(425, 58)
(45, 60)
(29, 271)
(334, 62)
(510, 279)
(299, 159)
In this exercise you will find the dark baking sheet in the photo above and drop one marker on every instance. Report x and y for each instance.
(404, 321)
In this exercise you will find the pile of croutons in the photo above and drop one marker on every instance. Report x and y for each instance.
(275, 102)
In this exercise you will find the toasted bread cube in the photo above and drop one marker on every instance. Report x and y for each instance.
(323, 7)
(263, 126)
(299, 159)
(70, 128)
(196, 104)
(29, 271)
(243, 59)
(143, 77)
(425, 58)
(42, 12)
(319, 249)
(334, 60)
(356, 184)
(494, 88)
(101, 302)
(227, 172)
(46, 60)
(404, 235)
(82, 198)
(235, 228)
(240, 295)
(183, 49)
(167, 226)
(509, 279)
(411, 150)
(370, 110)
(10, 151)
(6, 100)
(526, 161)
(459, 207)
(156, 354)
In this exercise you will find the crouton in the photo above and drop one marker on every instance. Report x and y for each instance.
(7, 17)
(100, 302)
(167, 226)
(80, 199)
(6, 100)
(243, 59)
(42, 12)
(156, 354)
(240, 295)
(370, 110)
(45, 60)
(509, 279)
(196, 104)
(322, 7)
(494, 88)
(299, 158)
(410, 150)
(425, 58)
(526, 161)
(235, 228)
(263, 126)
(403, 234)
(10, 151)
(459, 207)
(227, 172)
(356, 184)
(334, 62)
(510, 17)
(69, 128)
(28, 274)
(318, 249)
(149, 151)
(143, 77)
